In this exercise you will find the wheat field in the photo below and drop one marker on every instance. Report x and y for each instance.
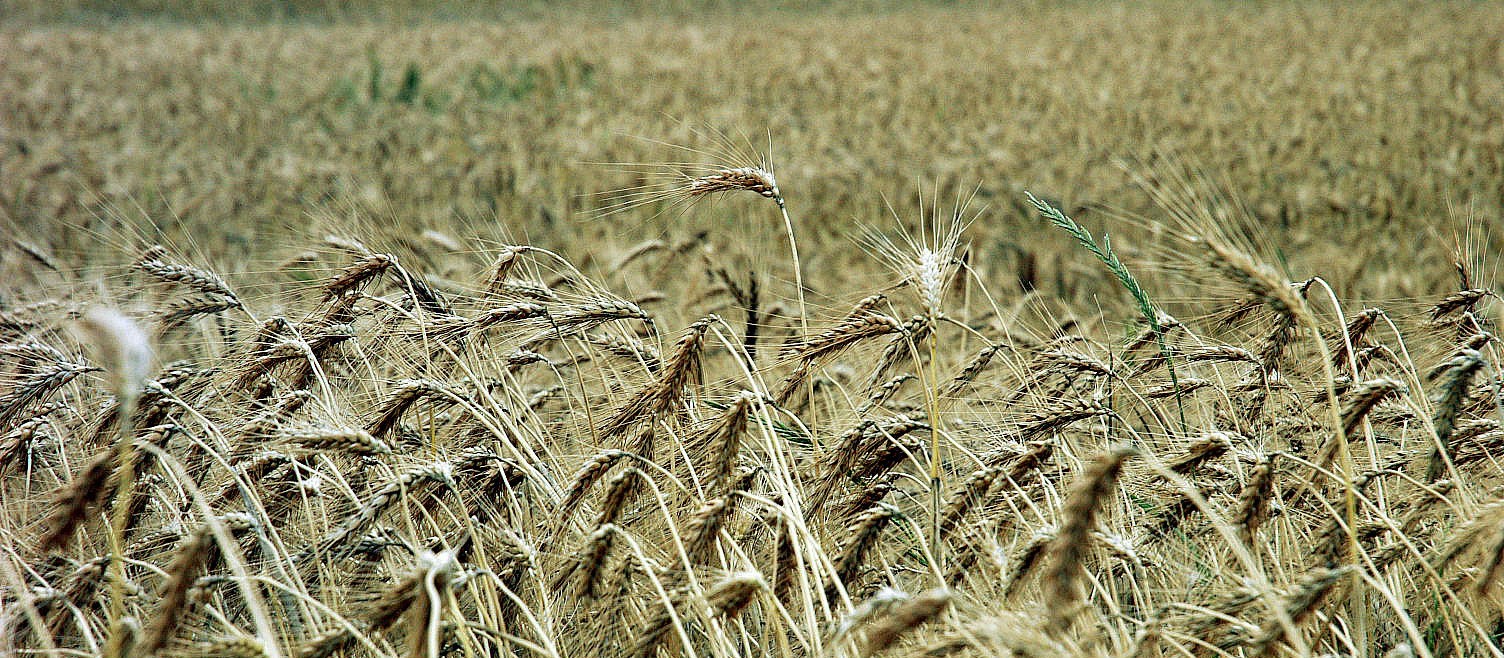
(1159, 329)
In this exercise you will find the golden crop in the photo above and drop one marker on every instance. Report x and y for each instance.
(1151, 330)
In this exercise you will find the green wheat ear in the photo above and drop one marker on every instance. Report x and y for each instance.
(1104, 253)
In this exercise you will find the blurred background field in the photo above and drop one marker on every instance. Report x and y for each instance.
(1369, 130)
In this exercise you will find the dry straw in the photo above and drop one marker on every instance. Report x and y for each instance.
(904, 619)
(1086, 502)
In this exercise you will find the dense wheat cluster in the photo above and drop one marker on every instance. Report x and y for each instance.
(353, 341)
